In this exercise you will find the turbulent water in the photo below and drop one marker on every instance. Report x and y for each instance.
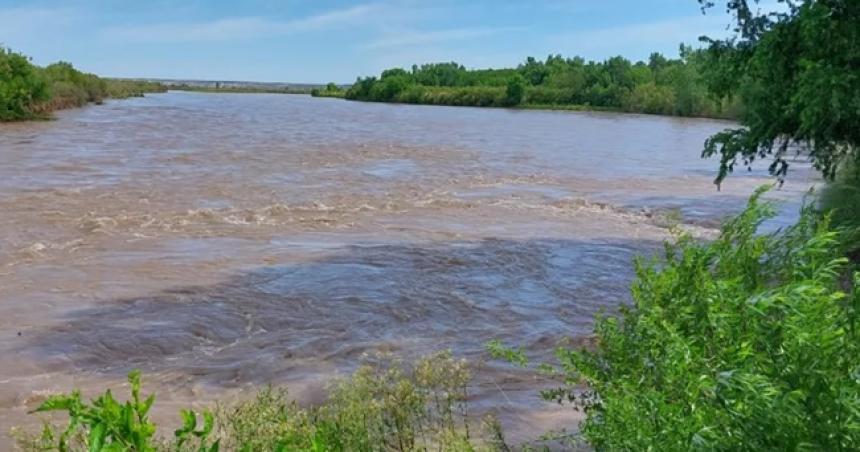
(221, 242)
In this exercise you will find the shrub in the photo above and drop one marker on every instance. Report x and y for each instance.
(27, 91)
(21, 86)
(542, 95)
(515, 91)
(650, 98)
(842, 198)
(105, 424)
(380, 408)
(746, 343)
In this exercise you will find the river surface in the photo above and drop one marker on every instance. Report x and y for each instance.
(222, 242)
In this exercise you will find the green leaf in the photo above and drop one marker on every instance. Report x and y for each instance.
(96, 437)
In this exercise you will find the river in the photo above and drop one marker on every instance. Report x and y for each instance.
(220, 242)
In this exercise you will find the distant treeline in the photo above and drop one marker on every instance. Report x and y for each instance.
(659, 86)
(330, 90)
(28, 91)
(219, 87)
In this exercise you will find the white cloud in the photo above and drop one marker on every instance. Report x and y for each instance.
(235, 28)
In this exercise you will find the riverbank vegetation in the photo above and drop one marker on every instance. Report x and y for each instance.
(841, 197)
(659, 86)
(750, 342)
(381, 407)
(28, 91)
(330, 90)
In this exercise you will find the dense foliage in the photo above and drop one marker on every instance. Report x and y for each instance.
(21, 86)
(746, 343)
(661, 85)
(330, 90)
(380, 408)
(106, 424)
(841, 197)
(797, 73)
(28, 91)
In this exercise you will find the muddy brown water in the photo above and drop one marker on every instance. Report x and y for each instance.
(223, 242)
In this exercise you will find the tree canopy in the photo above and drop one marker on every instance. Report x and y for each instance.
(28, 91)
(670, 86)
(797, 75)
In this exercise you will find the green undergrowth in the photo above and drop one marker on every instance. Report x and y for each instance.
(330, 90)
(842, 198)
(381, 407)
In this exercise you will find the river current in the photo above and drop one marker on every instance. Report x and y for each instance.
(223, 242)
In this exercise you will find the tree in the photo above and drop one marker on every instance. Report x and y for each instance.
(21, 86)
(797, 74)
(515, 91)
(534, 71)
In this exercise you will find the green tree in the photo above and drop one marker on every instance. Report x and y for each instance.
(21, 86)
(797, 74)
(515, 91)
(616, 83)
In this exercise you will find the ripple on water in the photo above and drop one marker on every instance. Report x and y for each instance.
(227, 240)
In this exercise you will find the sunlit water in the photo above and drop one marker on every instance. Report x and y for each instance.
(221, 242)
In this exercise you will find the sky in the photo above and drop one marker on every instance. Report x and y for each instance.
(317, 41)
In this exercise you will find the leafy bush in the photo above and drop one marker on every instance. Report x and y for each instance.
(841, 197)
(21, 86)
(331, 90)
(746, 343)
(650, 98)
(515, 91)
(27, 91)
(105, 424)
(380, 408)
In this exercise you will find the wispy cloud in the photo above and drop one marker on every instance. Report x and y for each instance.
(416, 38)
(237, 28)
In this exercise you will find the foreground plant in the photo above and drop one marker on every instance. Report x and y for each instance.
(105, 424)
(746, 343)
(381, 407)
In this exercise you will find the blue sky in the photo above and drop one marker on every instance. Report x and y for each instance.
(336, 40)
